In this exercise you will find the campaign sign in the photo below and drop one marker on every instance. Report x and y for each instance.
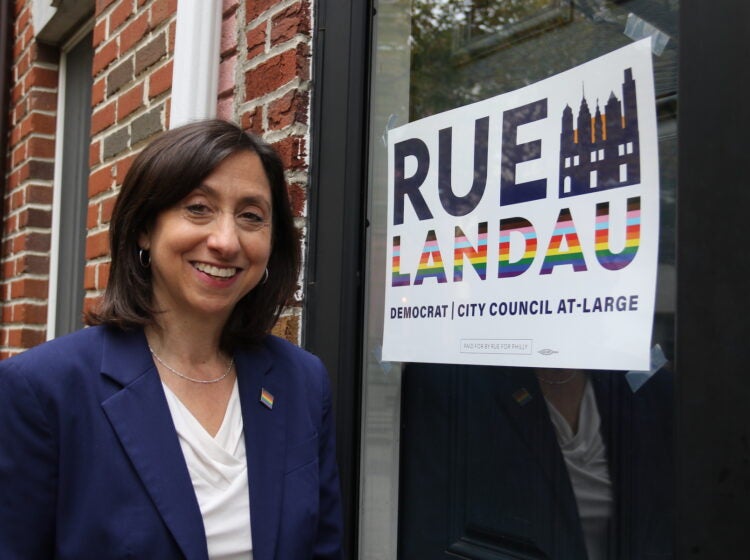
(523, 229)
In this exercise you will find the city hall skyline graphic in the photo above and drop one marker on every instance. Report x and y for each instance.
(601, 152)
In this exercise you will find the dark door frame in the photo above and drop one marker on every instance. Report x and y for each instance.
(333, 278)
(712, 440)
(713, 390)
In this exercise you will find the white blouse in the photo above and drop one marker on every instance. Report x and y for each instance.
(218, 470)
(586, 461)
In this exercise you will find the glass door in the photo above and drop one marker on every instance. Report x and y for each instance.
(499, 462)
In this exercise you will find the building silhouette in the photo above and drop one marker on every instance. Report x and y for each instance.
(602, 152)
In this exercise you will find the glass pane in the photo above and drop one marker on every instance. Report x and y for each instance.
(497, 462)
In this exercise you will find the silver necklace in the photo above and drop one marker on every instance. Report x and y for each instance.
(193, 379)
(557, 381)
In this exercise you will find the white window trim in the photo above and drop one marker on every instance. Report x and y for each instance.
(54, 255)
(195, 72)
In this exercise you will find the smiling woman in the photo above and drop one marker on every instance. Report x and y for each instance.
(174, 421)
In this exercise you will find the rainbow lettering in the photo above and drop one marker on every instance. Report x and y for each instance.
(431, 262)
(398, 279)
(564, 230)
(505, 268)
(608, 259)
(477, 256)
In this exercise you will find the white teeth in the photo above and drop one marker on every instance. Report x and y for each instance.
(215, 270)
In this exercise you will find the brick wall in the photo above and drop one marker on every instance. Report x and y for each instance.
(263, 84)
(273, 80)
(27, 211)
(132, 73)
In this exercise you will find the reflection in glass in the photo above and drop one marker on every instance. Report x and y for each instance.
(486, 462)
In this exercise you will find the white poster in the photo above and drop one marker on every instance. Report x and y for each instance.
(523, 229)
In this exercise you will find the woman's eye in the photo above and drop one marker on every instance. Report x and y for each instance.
(197, 209)
(252, 217)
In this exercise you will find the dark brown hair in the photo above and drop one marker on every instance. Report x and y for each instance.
(166, 171)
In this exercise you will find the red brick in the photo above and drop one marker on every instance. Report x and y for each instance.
(29, 288)
(92, 216)
(23, 63)
(97, 245)
(41, 147)
(290, 109)
(298, 199)
(162, 10)
(104, 56)
(89, 277)
(257, 7)
(29, 313)
(103, 118)
(35, 218)
(100, 181)
(14, 179)
(252, 121)
(41, 77)
(225, 108)
(292, 151)
(38, 194)
(33, 264)
(20, 111)
(228, 6)
(229, 34)
(160, 80)
(256, 41)
(107, 206)
(97, 91)
(25, 338)
(293, 21)
(42, 100)
(95, 151)
(129, 101)
(134, 32)
(271, 75)
(121, 13)
(28, 35)
(102, 5)
(102, 275)
(100, 33)
(227, 74)
(42, 124)
(31, 241)
(91, 303)
(122, 167)
(170, 36)
(18, 154)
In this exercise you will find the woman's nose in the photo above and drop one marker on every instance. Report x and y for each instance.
(223, 237)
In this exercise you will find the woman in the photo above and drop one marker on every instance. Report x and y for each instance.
(177, 427)
(557, 464)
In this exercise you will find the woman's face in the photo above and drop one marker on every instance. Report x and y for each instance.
(211, 248)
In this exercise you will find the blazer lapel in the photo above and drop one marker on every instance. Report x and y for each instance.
(523, 402)
(140, 417)
(265, 444)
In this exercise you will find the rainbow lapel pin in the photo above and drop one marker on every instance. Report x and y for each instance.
(266, 398)
(522, 396)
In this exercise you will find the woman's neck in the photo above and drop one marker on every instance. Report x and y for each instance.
(564, 390)
(188, 344)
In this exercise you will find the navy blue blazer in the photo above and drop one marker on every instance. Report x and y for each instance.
(485, 434)
(91, 466)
